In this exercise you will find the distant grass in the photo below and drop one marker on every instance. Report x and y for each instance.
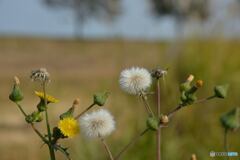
(80, 68)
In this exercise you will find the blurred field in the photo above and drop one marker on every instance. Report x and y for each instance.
(81, 68)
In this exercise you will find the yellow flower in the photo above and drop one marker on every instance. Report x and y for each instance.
(69, 127)
(50, 99)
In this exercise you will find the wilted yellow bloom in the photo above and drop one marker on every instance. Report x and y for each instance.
(69, 127)
(50, 99)
(199, 83)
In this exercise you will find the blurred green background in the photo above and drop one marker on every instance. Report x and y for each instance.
(80, 68)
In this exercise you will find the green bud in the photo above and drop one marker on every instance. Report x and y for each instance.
(41, 106)
(152, 123)
(34, 117)
(231, 120)
(192, 98)
(184, 87)
(183, 97)
(221, 91)
(100, 98)
(68, 113)
(192, 90)
(16, 94)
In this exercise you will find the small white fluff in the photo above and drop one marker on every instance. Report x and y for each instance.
(135, 80)
(98, 123)
(41, 75)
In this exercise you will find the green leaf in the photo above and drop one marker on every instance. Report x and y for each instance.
(221, 91)
(100, 98)
(231, 120)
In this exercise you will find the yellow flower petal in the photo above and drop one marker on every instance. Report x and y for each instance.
(50, 99)
(69, 127)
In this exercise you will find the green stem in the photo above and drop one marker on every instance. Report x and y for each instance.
(171, 113)
(106, 148)
(50, 146)
(158, 133)
(79, 115)
(131, 143)
(32, 125)
(21, 109)
(148, 108)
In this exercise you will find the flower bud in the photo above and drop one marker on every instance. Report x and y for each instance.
(57, 134)
(193, 157)
(41, 106)
(184, 87)
(68, 113)
(221, 91)
(190, 78)
(16, 94)
(100, 98)
(199, 83)
(152, 123)
(231, 120)
(76, 102)
(34, 117)
(164, 119)
(16, 80)
(158, 73)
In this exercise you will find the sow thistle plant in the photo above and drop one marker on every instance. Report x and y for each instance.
(100, 123)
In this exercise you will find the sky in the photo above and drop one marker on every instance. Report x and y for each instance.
(34, 18)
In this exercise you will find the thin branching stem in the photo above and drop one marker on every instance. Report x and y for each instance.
(158, 133)
(106, 148)
(145, 102)
(39, 134)
(51, 149)
(32, 125)
(171, 113)
(88, 108)
(134, 140)
(21, 109)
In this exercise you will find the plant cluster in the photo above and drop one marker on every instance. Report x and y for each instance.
(100, 123)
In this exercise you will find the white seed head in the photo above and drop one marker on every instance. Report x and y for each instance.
(40, 75)
(98, 123)
(135, 80)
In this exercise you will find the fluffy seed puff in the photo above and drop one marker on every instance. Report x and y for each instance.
(135, 80)
(40, 75)
(98, 123)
